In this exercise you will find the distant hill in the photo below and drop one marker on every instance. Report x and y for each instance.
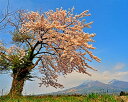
(89, 86)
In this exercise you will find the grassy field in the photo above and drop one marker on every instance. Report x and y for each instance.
(65, 98)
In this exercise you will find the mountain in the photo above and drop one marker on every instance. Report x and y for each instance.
(89, 86)
(119, 84)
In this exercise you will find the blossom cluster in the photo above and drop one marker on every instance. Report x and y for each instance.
(2, 48)
(15, 51)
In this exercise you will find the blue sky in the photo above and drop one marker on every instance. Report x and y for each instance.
(110, 25)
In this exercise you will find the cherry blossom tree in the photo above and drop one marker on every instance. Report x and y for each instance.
(53, 43)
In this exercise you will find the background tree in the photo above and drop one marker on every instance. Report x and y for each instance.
(4, 17)
(53, 43)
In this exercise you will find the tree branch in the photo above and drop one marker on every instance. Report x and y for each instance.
(44, 52)
(36, 63)
(29, 44)
(33, 49)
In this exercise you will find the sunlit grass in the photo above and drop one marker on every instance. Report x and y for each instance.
(62, 98)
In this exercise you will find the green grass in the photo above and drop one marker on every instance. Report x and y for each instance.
(62, 98)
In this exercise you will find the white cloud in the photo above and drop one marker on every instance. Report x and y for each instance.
(77, 78)
(119, 66)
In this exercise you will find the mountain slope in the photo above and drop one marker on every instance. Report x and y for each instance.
(118, 83)
(114, 86)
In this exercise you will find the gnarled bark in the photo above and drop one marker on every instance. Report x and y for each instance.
(19, 78)
(17, 87)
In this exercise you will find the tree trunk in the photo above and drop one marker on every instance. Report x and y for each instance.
(20, 75)
(17, 86)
